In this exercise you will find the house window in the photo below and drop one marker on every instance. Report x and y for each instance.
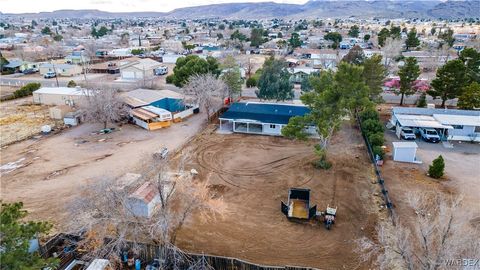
(477, 129)
(273, 126)
(457, 126)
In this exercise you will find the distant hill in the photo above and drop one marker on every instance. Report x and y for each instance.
(311, 9)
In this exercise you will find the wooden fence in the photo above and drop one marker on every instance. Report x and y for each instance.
(148, 252)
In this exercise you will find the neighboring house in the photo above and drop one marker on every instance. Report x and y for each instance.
(77, 58)
(453, 125)
(300, 73)
(144, 200)
(261, 118)
(143, 68)
(60, 96)
(66, 70)
(154, 109)
(171, 58)
(15, 66)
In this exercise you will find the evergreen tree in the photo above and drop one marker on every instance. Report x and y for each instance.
(232, 77)
(449, 80)
(374, 73)
(190, 65)
(447, 37)
(354, 31)
(470, 98)
(274, 83)
(335, 37)
(382, 36)
(295, 41)
(15, 237)
(256, 37)
(471, 60)
(408, 74)
(46, 31)
(412, 39)
(437, 168)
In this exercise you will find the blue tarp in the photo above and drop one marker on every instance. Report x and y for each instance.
(170, 104)
(265, 113)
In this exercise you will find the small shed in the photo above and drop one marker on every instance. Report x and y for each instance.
(143, 201)
(405, 152)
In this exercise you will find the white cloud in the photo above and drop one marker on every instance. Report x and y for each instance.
(20, 6)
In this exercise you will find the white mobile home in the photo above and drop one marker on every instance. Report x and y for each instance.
(453, 125)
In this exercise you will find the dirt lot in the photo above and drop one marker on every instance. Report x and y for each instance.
(46, 173)
(20, 119)
(253, 174)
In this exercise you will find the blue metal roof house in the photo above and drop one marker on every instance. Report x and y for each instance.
(261, 118)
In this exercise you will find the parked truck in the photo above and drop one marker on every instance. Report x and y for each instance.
(298, 205)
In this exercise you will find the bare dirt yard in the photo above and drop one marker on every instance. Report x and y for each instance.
(46, 173)
(253, 174)
(20, 119)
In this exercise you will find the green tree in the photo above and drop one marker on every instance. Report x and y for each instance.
(349, 81)
(3, 62)
(395, 32)
(412, 39)
(433, 31)
(251, 82)
(382, 36)
(256, 37)
(193, 64)
(408, 73)
(295, 41)
(26, 90)
(137, 51)
(274, 83)
(471, 60)
(219, 36)
(449, 80)
(15, 236)
(374, 73)
(422, 101)
(93, 32)
(46, 31)
(447, 37)
(470, 98)
(102, 31)
(366, 37)
(34, 24)
(221, 26)
(231, 76)
(437, 168)
(354, 31)
(237, 35)
(354, 56)
(335, 37)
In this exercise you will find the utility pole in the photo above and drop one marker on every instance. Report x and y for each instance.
(55, 71)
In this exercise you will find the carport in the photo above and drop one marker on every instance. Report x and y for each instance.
(420, 121)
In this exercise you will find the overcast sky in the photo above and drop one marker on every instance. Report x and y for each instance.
(21, 6)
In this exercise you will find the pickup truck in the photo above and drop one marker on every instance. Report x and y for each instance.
(298, 205)
(429, 135)
(407, 134)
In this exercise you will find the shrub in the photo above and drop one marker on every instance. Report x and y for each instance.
(371, 126)
(377, 150)
(322, 164)
(436, 169)
(71, 84)
(376, 139)
(26, 90)
(369, 113)
(169, 79)
(251, 82)
(422, 101)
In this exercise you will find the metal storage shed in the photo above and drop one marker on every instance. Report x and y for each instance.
(405, 152)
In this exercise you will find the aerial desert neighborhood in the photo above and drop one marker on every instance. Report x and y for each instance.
(239, 134)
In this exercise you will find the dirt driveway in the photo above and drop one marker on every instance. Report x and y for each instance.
(253, 174)
(46, 173)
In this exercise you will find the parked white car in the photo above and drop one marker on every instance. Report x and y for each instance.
(407, 134)
(429, 135)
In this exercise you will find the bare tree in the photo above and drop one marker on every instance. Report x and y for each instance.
(440, 231)
(103, 212)
(104, 106)
(208, 92)
(391, 49)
